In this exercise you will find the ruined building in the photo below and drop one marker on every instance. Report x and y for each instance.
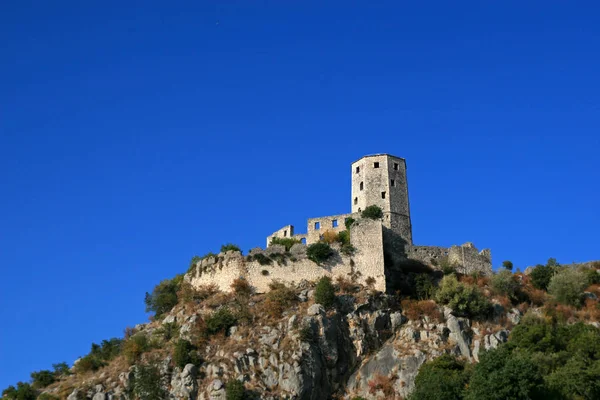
(383, 249)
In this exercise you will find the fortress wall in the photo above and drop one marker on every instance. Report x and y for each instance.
(326, 224)
(426, 254)
(471, 259)
(221, 272)
(466, 256)
(285, 232)
(366, 237)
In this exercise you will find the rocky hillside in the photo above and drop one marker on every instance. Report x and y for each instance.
(323, 340)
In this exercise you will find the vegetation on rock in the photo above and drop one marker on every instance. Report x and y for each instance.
(372, 212)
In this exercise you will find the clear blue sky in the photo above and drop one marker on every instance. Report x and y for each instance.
(134, 135)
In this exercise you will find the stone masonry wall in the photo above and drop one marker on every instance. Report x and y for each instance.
(285, 232)
(466, 256)
(326, 224)
(367, 261)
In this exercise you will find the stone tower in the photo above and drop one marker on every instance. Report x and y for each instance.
(380, 180)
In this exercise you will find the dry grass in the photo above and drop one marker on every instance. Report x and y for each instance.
(590, 311)
(415, 309)
(382, 383)
(330, 237)
(346, 285)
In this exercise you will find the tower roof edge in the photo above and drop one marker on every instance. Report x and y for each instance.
(379, 155)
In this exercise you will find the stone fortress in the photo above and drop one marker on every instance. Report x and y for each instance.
(383, 249)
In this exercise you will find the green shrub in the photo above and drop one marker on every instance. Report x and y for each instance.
(234, 390)
(343, 237)
(61, 369)
(465, 300)
(319, 252)
(540, 276)
(442, 378)
(507, 265)
(372, 212)
(502, 374)
(325, 292)
(347, 249)
(88, 363)
(164, 296)
(424, 286)
(23, 391)
(107, 349)
(134, 347)
(230, 247)
(43, 378)
(348, 222)
(446, 266)
(567, 286)
(184, 353)
(220, 321)
(306, 334)
(592, 276)
(262, 259)
(147, 382)
(168, 331)
(286, 242)
(504, 283)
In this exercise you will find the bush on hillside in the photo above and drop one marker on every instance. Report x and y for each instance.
(279, 298)
(424, 286)
(319, 252)
(507, 265)
(372, 212)
(88, 363)
(234, 390)
(61, 369)
(540, 276)
(134, 347)
(567, 286)
(184, 353)
(168, 331)
(147, 382)
(230, 247)
(445, 377)
(502, 374)
(505, 283)
(592, 276)
(43, 378)
(23, 391)
(325, 292)
(464, 300)
(348, 223)
(343, 237)
(164, 296)
(220, 321)
(285, 242)
(242, 287)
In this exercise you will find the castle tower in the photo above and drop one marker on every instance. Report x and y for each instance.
(380, 180)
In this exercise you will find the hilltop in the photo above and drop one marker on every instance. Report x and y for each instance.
(452, 336)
